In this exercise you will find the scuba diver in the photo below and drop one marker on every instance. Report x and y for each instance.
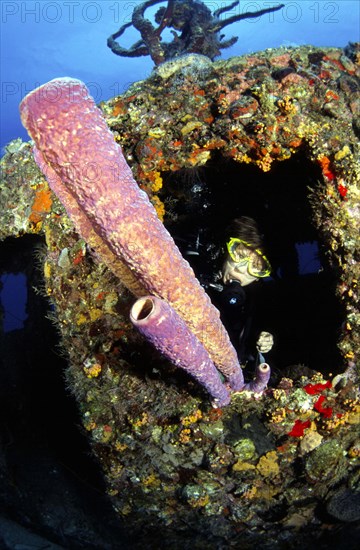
(245, 264)
(232, 289)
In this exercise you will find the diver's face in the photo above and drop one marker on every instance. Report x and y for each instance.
(237, 272)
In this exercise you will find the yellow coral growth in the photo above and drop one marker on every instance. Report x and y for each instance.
(159, 207)
(95, 313)
(158, 182)
(185, 435)
(47, 270)
(265, 163)
(192, 418)
(81, 319)
(268, 465)
(93, 371)
(140, 421)
(151, 481)
(120, 447)
(241, 466)
(287, 106)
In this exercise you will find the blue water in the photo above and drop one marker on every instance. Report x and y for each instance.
(13, 297)
(41, 40)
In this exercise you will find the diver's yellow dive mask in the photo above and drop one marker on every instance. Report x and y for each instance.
(243, 259)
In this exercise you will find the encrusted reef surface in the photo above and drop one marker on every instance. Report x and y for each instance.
(281, 467)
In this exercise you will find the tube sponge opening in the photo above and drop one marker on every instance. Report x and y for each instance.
(142, 309)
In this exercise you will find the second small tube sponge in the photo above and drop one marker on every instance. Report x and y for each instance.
(166, 330)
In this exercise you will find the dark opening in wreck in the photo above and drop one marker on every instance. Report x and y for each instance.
(297, 304)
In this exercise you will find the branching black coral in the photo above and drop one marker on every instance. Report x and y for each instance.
(194, 27)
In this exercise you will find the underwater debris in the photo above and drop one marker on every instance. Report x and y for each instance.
(194, 27)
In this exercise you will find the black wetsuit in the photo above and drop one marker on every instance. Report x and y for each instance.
(235, 303)
(236, 306)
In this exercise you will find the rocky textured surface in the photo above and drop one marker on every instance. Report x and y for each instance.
(179, 473)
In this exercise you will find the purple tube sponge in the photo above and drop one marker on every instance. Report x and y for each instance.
(262, 377)
(86, 169)
(163, 327)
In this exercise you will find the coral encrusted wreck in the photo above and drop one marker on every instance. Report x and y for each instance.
(274, 135)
